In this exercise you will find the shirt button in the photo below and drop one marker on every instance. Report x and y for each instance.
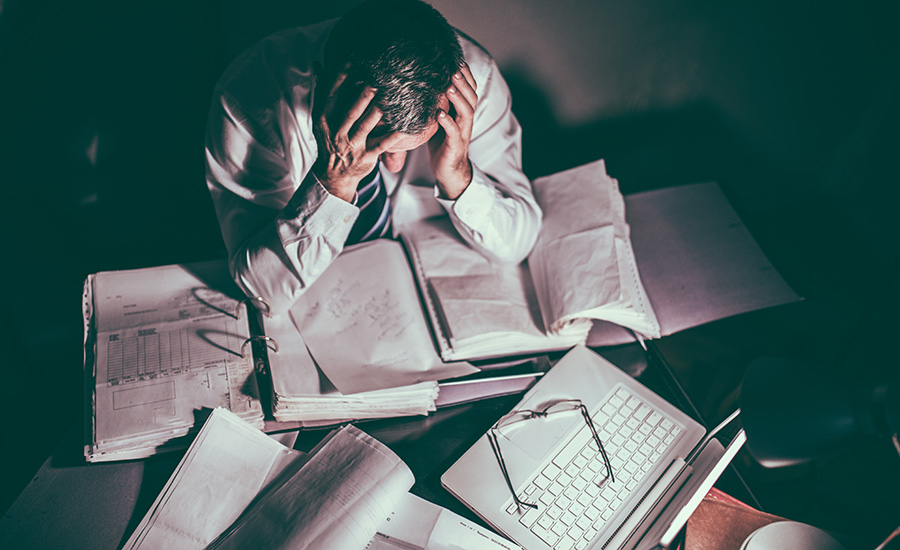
(347, 219)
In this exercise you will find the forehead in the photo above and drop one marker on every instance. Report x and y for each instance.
(408, 142)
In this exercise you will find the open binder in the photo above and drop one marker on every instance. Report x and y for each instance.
(163, 345)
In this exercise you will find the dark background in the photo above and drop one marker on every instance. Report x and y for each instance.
(791, 106)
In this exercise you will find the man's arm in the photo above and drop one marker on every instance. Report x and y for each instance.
(495, 212)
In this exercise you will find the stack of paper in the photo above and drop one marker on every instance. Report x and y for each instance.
(302, 393)
(236, 488)
(162, 349)
(363, 326)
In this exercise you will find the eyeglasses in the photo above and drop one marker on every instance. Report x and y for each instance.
(517, 417)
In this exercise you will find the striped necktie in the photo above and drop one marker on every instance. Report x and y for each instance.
(374, 219)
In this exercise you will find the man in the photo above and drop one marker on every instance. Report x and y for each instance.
(324, 136)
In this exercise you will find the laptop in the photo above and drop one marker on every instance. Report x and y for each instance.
(661, 463)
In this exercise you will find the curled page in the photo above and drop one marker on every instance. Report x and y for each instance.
(338, 499)
(583, 266)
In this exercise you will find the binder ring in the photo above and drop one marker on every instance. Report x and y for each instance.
(273, 346)
(257, 301)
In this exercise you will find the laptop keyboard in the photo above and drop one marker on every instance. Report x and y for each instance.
(574, 497)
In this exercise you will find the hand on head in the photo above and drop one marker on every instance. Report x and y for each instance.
(450, 148)
(347, 149)
(350, 144)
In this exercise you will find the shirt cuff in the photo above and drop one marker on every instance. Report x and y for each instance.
(312, 210)
(474, 204)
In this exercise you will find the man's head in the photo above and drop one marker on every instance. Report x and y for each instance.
(407, 51)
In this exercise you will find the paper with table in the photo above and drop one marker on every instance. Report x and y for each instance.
(341, 495)
(161, 345)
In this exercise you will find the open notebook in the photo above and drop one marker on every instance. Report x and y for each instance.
(661, 464)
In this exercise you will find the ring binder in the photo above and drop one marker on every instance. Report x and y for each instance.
(266, 339)
(252, 299)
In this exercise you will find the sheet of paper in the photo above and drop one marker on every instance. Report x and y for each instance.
(227, 465)
(582, 265)
(698, 261)
(338, 499)
(166, 346)
(478, 304)
(364, 326)
(417, 524)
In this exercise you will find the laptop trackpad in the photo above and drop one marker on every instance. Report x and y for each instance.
(539, 436)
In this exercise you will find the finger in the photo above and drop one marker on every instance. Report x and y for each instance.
(465, 112)
(356, 110)
(366, 124)
(384, 143)
(467, 74)
(464, 87)
(451, 128)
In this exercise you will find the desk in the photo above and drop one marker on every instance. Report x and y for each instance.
(70, 504)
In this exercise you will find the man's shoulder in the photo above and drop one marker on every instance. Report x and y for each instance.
(477, 57)
(277, 57)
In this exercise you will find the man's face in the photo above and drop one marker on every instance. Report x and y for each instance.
(394, 158)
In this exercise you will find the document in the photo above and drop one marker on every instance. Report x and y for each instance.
(364, 325)
(238, 488)
(417, 524)
(165, 346)
(581, 269)
(225, 468)
(340, 496)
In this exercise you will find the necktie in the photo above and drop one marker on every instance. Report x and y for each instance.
(374, 219)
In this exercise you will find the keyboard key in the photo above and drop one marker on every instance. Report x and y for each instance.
(583, 523)
(547, 536)
(579, 483)
(530, 517)
(551, 470)
(584, 499)
(554, 511)
(654, 418)
(642, 412)
(545, 522)
(542, 482)
(566, 543)
(559, 528)
(575, 532)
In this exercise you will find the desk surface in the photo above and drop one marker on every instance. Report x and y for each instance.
(76, 505)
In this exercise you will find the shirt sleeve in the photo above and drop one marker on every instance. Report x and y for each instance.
(497, 213)
(280, 235)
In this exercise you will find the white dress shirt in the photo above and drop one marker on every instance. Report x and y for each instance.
(282, 229)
